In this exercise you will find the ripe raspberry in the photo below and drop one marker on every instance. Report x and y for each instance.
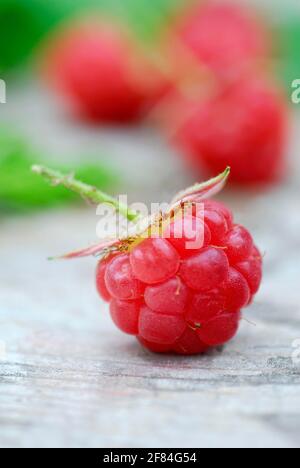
(191, 302)
(100, 72)
(171, 300)
(243, 126)
(224, 37)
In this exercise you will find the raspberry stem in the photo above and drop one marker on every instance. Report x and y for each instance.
(88, 192)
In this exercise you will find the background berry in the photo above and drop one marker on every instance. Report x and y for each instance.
(100, 72)
(224, 37)
(180, 302)
(252, 141)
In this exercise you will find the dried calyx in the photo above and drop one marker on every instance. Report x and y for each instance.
(141, 228)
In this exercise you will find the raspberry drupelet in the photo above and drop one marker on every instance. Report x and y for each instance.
(177, 291)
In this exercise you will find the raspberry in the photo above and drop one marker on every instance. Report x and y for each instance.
(191, 301)
(100, 73)
(224, 37)
(253, 137)
(173, 300)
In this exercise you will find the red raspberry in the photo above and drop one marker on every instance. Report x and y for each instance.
(101, 73)
(224, 37)
(243, 126)
(185, 303)
(170, 299)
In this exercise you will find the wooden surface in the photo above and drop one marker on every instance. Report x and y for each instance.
(68, 378)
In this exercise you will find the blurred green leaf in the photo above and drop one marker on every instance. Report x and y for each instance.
(21, 190)
(146, 18)
(289, 50)
(24, 23)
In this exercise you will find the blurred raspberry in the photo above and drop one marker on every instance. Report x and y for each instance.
(100, 72)
(224, 37)
(244, 125)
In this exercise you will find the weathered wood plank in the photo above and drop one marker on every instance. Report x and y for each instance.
(70, 379)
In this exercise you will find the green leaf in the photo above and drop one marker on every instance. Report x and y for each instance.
(20, 190)
(288, 50)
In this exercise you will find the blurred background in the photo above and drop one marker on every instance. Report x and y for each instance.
(78, 73)
(143, 98)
